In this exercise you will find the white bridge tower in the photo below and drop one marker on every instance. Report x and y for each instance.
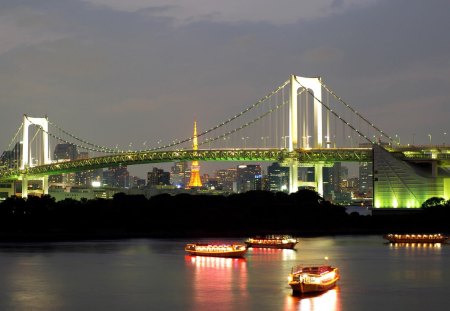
(26, 160)
(315, 86)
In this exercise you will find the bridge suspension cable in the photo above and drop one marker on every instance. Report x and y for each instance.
(354, 111)
(100, 148)
(342, 119)
(248, 123)
(220, 125)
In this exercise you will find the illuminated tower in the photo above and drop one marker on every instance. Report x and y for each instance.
(195, 181)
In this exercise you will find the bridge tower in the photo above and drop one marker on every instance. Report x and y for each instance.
(195, 181)
(315, 86)
(26, 154)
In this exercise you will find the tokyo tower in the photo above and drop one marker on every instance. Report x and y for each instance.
(195, 181)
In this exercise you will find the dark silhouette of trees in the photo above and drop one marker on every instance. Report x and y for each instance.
(243, 214)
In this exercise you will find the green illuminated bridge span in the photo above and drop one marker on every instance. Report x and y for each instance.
(312, 156)
(402, 175)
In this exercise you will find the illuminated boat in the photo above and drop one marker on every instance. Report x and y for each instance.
(416, 238)
(313, 279)
(216, 250)
(272, 241)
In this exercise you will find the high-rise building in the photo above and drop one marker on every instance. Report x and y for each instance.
(226, 178)
(366, 174)
(64, 152)
(249, 177)
(195, 181)
(365, 178)
(278, 177)
(117, 177)
(178, 174)
(11, 158)
(158, 177)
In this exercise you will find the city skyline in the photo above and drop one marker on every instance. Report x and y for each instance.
(137, 72)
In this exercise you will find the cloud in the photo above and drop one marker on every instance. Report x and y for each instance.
(25, 27)
(234, 11)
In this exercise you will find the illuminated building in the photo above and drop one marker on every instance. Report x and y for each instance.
(158, 177)
(117, 177)
(226, 178)
(278, 177)
(249, 177)
(194, 180)
(178, 176)
(399, 183)
(64, 152)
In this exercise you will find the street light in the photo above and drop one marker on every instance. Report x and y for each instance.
(398, 139)
(429, 135)
(245, 141)
(264, 140)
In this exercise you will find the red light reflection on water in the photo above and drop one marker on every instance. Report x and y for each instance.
(273, 254)
(328, 301)
(218, 282)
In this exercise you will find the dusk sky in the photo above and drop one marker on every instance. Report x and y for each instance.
(130, 71)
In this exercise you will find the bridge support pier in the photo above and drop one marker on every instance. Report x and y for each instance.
(318, 178)
(45, 184)
(293, 176)
(24, 186)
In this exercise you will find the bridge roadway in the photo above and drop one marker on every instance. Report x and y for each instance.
(304, 156)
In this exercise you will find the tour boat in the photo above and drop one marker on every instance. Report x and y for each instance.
(272, 241)
(416, 238)
(216, 250)
(313, 279)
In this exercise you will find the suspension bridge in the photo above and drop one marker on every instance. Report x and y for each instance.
(301, 123)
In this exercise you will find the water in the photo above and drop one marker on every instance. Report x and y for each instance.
(148, 274)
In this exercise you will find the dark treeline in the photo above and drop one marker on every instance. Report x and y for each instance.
(185, 215)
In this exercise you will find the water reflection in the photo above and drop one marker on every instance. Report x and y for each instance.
(328, 301)
(272, 254)
(219, 283)
(418, 246)
(35, 287)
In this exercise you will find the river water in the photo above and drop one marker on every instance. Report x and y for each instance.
(149, 274)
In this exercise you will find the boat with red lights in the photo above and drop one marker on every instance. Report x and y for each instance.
(313, 279)
(272, 241)
(235, 250)
(416, 238)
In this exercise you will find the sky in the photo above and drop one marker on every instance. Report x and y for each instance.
(117, 72)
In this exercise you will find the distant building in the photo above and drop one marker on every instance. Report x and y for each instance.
(365, 178)
(117, 177)
(332, 178)
(278, 177)
(65, 152)
(178, 174)
(249, 177)
(366, 174)
(225, 179)
(158, 177)
(11, 158)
